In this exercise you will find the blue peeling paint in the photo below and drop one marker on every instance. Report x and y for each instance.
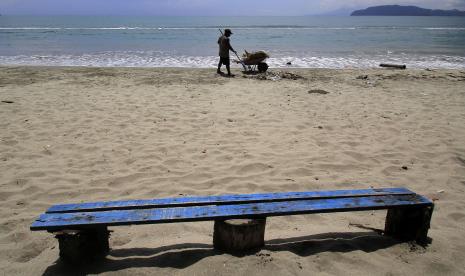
(60, 221)
(220, 200)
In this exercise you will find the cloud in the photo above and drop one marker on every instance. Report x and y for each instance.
(459, 4)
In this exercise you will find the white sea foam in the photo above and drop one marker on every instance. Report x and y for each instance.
(461, 29)
(28, 28)
(145, 59)
(236, 28)
(176, 28)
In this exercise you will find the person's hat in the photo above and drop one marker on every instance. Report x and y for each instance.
(227, 31)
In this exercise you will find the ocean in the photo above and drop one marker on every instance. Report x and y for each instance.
(305, 42)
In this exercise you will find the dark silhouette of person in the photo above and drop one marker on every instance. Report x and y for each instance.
(225, 46)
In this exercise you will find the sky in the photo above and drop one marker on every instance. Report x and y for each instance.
(206, 7)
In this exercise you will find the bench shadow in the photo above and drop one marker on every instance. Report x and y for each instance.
(332, 242)
(183, 255)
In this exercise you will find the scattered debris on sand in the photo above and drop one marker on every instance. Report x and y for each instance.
(274, 76)
(369, 81)
(264, 258)
(289, 75)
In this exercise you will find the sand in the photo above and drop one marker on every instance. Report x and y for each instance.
(90, 134)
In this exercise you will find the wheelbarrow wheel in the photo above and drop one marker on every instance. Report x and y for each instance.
(262, 67)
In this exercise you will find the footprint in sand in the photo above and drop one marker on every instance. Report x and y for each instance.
(253, 168)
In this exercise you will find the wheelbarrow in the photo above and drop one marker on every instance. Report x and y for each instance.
(253, 62)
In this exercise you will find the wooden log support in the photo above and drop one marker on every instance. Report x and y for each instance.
(81, 246)
(409, 224)
(239, 235)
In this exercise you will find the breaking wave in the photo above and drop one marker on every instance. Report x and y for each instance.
(147, 59)
(252, 27)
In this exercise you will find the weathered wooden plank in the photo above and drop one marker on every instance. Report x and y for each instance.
(220, 200)
(60, 221)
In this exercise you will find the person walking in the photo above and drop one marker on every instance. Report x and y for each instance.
(225, 46)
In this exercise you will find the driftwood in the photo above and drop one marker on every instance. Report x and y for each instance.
(397, 66)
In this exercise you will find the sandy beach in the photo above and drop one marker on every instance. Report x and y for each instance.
(72, 134)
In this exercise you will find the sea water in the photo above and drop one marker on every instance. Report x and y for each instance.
(304, 42)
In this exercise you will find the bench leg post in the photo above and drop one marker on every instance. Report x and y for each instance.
(409, 224)
(80, 246)
(237, 235)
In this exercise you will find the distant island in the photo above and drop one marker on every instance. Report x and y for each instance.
(397, 10)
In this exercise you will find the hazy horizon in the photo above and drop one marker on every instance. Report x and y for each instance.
(206, 7)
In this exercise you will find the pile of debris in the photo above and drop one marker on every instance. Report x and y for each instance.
(274, 76)
(259, 55)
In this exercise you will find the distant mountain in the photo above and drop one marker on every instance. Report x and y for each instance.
(396, 10)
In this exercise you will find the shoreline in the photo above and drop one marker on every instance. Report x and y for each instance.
(234, 68)
(310, 62)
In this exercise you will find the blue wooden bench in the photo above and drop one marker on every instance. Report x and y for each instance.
(83, 226)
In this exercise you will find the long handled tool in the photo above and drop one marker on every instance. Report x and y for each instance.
(238, 58)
